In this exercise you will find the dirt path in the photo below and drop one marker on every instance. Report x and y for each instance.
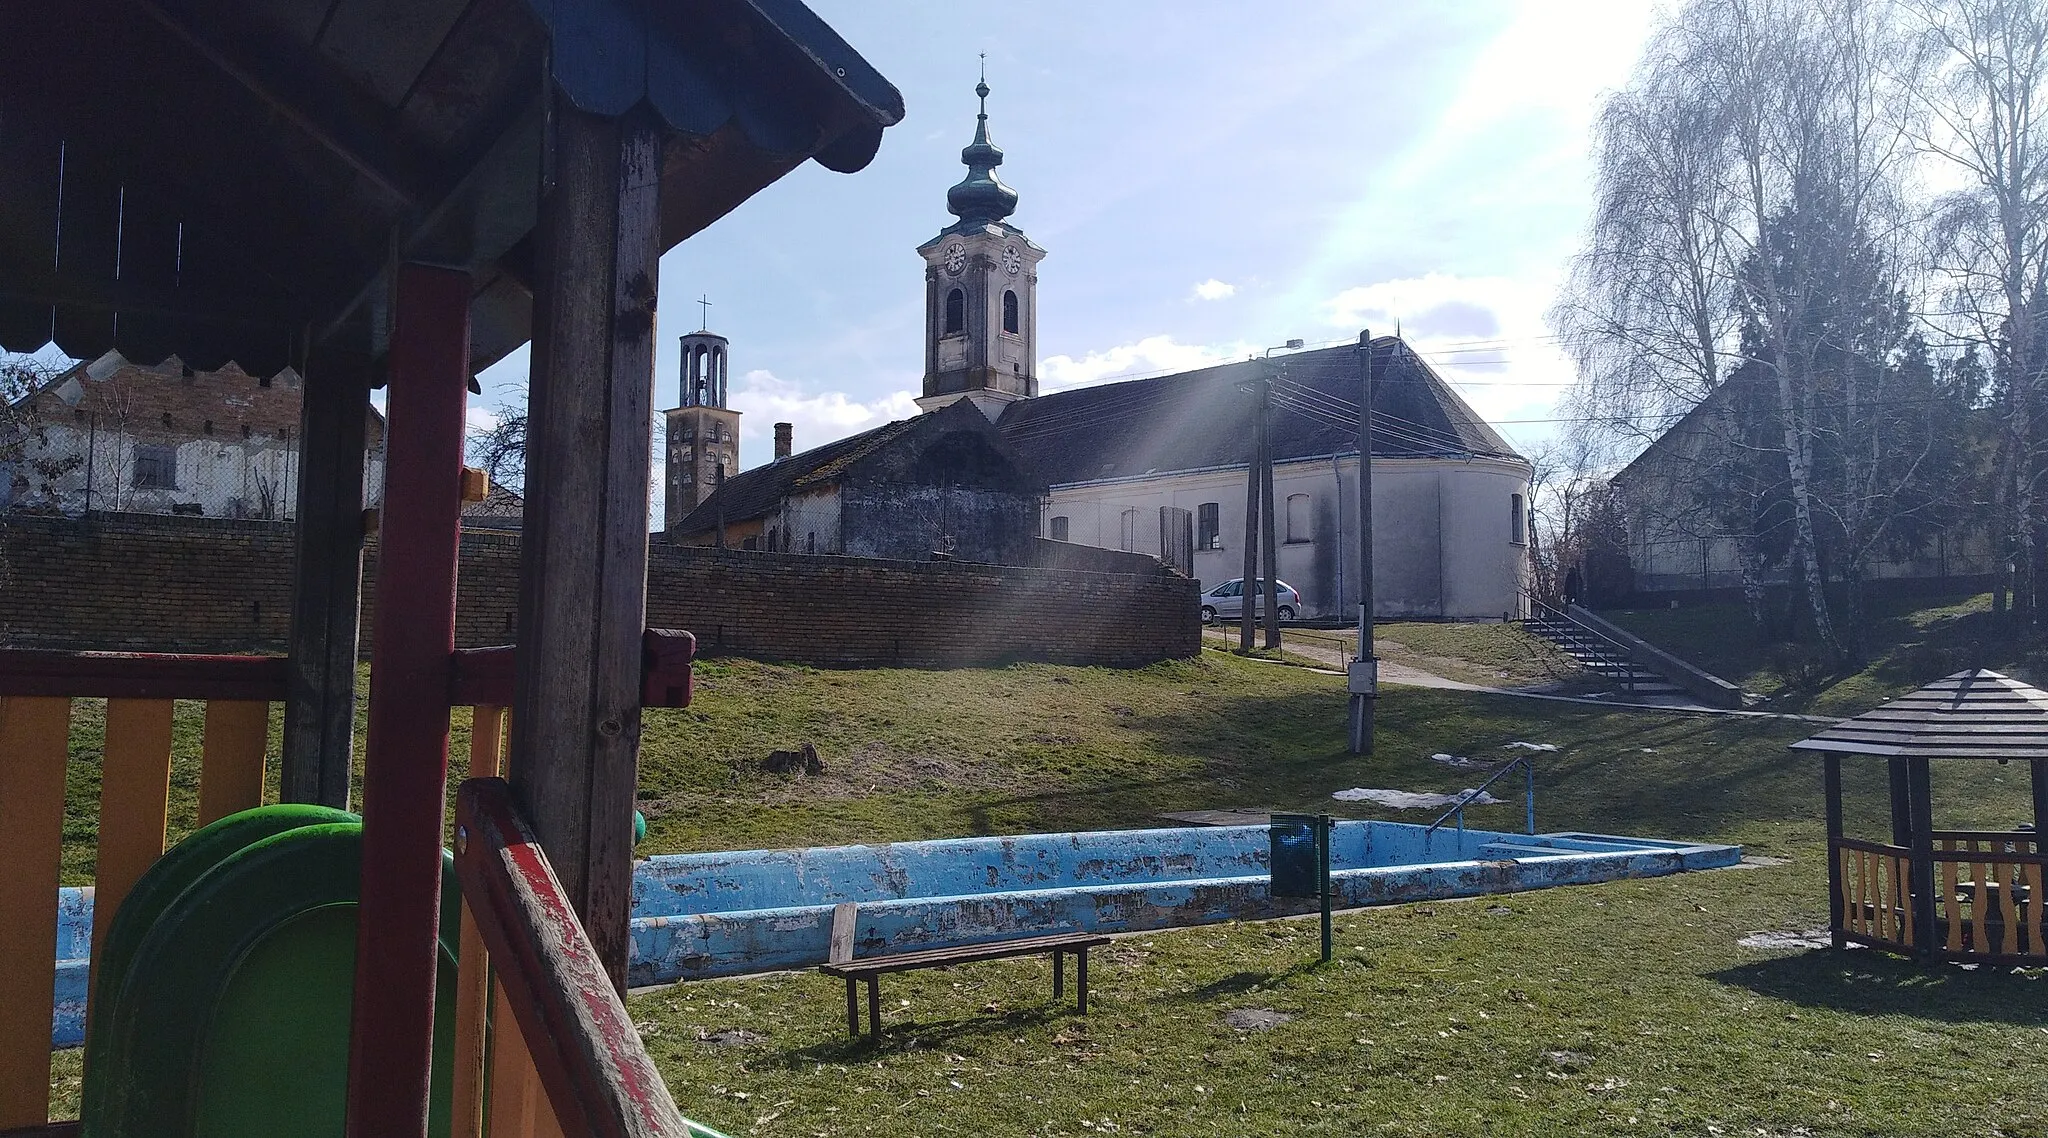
(1404, 676)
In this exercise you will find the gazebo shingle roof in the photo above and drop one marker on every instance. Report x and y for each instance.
(1975, 714)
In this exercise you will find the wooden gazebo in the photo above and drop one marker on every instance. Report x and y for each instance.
(396, 195)
(1962, 895)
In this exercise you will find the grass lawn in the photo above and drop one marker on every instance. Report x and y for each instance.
(1912, 640)
(1625, 1008)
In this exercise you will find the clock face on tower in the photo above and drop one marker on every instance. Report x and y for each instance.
(1012, 263)
(956, 259)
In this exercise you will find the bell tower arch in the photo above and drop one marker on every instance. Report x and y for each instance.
(703, 433)
(981, 290)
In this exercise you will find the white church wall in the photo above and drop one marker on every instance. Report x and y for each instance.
(1441, 542)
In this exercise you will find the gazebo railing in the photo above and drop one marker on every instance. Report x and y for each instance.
(1876, 902)
(1990, 900)
(1989, 897)
(2004, 841)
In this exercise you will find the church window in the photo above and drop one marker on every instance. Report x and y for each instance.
(811, 542)
(1130, 531)
(685, 477)
(1010, 311)
(1208, 526)
(956, 311)
(1300, 527)
(1518, 520)
(1058, 529)
(156, 467)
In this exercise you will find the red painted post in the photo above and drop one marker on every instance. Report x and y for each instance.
(405, 775)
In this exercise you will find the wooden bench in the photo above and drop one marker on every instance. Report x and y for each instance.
(870, 969)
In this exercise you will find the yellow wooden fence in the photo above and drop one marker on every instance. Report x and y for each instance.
(134, 795)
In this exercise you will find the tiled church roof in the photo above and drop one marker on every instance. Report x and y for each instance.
(1200, 419)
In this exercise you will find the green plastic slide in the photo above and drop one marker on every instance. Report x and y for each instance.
(223, 992)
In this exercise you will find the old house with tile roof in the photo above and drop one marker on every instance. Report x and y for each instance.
(115, 436)
(944, 482)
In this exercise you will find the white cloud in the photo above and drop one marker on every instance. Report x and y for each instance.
(1152, 355)
(765, 399)
(1213, 289)
(1486, 335)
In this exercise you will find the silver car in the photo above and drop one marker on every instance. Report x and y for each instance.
(1226, 601)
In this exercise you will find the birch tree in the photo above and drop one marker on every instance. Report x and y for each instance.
(1793, 118)
(1986, 123)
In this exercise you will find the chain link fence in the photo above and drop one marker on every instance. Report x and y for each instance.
(84, 468)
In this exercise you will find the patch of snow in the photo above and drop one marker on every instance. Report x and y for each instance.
(1416, 800)
(1811, 938)
(1459, 761)
(1256, 1019)
(1529, 746)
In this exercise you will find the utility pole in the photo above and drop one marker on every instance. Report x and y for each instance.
(1269, 589)
(1245, 596)
(1258, 483)
(1364, 673)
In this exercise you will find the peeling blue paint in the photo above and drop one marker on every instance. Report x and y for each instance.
(697, 916)
(725, 914)
(74, 948)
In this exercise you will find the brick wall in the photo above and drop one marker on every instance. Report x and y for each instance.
(208, 585)
(140, 582)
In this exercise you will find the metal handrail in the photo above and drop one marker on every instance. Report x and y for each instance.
(1528, 802)
(1626, 654)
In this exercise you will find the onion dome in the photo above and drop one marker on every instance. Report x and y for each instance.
(981, 198)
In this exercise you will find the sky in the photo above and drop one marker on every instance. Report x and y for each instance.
(1209, 179)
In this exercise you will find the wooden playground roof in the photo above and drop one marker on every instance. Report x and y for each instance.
(1975, 714)
(237, 179)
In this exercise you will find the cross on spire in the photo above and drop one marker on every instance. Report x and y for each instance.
(704, 308)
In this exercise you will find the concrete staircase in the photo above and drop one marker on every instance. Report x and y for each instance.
(1602, 658)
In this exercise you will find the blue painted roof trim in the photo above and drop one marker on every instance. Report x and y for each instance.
(609, 56)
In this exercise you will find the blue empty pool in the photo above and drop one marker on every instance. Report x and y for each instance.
(697, 916)
(724, 914)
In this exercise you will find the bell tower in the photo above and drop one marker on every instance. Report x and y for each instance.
(703, 433)
(981, 290)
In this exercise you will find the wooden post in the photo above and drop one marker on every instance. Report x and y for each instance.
(1902, 802)
(1267, 523)
(2040, 805)
(1247, 596)
(1921, 882)
(583, 556)
(472, 966)
(34, 748)
(327, 583)
(135, 787)
(405, 777)
(1364, 689)
(231, 762)
(1831, 789)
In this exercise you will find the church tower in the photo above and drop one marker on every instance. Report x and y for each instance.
(981, 291)
(703, 433)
